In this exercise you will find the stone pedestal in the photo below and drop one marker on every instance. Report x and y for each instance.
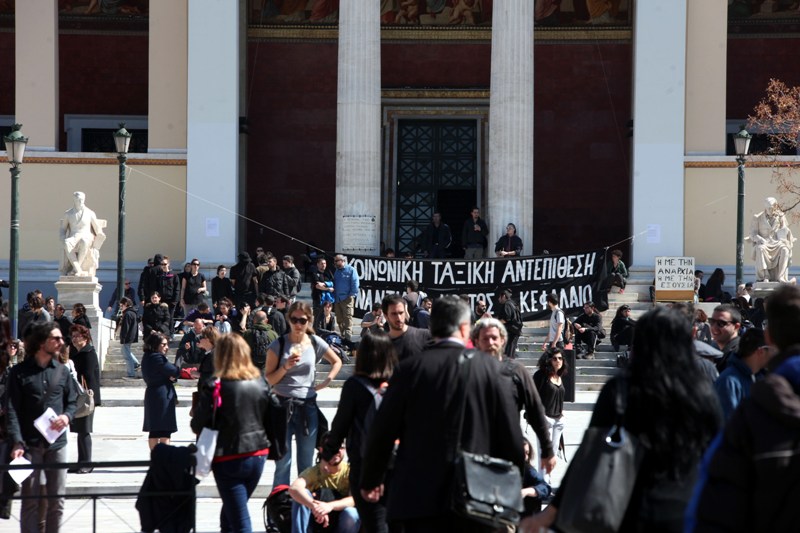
(762, 289)
(84, 290)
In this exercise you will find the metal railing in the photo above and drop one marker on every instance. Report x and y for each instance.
(94, 496)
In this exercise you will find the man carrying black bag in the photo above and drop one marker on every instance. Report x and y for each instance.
(422, 408)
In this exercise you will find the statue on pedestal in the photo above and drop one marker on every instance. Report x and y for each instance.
(82, 234)
(772, 243)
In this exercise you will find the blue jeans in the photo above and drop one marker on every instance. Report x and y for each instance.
(236, 480)
(130, 360)
(303, 423)
(301, 518)
(56, 483)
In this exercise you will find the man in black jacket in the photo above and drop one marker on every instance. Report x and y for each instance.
(509, 315)
(39, 383)
(489, 336)
(473, 236)
(421, 407)
(589, 330)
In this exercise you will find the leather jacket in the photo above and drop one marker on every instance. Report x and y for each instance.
(241, 420)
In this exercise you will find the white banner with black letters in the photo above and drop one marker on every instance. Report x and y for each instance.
(575, 278)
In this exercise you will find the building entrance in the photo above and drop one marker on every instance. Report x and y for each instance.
(437, 170)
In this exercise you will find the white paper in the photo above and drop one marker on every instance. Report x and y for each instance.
(20, 475)
(43, 425)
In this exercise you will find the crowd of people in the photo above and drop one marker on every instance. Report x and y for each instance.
(712, 399)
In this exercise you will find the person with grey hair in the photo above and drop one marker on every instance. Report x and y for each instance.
(489, 335)
(421, 406)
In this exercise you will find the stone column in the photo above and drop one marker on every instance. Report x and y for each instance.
(166, 113)
(706, 71)
(358, 128)
(36, 83)
(510, 194)
(212, 174)
(659, 99)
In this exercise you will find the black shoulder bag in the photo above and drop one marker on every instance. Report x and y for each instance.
(486, 490)
(603, 474)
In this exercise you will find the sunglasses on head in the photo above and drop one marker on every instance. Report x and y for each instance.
(298, 320)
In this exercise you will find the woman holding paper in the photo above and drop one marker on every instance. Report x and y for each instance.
(234, 402)
(160, 397)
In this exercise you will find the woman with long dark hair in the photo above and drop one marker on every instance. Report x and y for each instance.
(79, 316)
(374, 366)
(291, 370)
(713, 292)
(622, 327)
(155, 317)
(87, 366)
(206, 342)
(551, 390)
(160, 397)
(242, 398)
(669, 406)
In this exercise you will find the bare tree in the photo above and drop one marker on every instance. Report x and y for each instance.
(778, 116)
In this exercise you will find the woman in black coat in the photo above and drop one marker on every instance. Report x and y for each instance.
(374, 366)
(622, 327)
(155, 316)
(88, 368)
(160, 397)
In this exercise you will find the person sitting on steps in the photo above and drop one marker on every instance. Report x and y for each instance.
(588, 330)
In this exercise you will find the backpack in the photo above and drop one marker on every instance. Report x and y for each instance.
(259, 343)
(277, 510)
(569, 330)
(363, 427)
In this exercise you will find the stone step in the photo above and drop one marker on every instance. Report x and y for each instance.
(583, 371)
(588, 387)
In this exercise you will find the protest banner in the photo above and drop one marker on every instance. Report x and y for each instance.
(574, 277)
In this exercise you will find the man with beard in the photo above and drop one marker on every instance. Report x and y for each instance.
(407, 340)
(489, 336)
(36, 384)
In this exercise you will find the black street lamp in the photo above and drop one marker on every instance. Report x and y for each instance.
(15, 151)
(122, 140)
(742, 143)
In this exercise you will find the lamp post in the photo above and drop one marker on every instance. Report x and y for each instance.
(742, 143)
(122, 140)
(15, 151)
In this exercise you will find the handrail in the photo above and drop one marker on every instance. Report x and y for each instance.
(95, 495)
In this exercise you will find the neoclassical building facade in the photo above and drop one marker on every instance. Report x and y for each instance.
(346, 124)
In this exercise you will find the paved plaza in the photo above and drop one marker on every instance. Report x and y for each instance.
(118, 437)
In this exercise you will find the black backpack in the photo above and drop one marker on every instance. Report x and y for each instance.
(277, 510)
(259, 344)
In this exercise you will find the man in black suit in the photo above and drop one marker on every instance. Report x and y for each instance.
(421, 408)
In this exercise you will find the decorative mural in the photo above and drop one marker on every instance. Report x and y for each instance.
(440, 12)
(104, 7)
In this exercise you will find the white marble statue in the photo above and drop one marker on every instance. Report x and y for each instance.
(772, 243)
(82, 234)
